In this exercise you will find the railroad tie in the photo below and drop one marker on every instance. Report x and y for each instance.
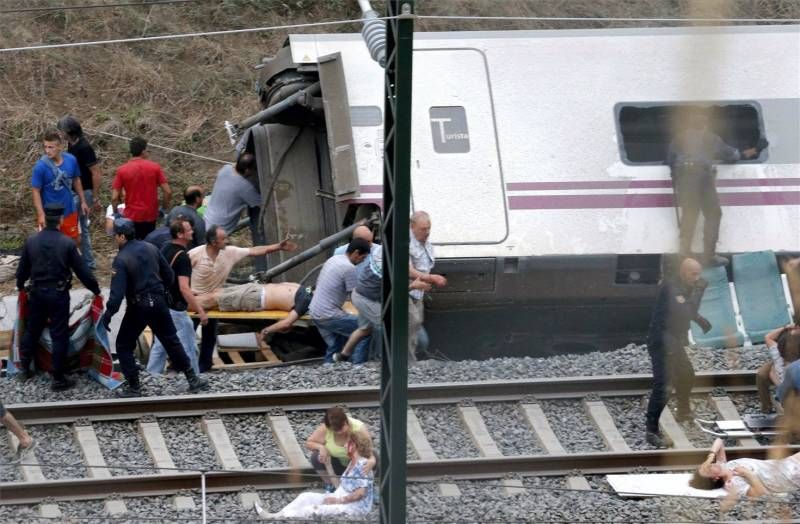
(674, 431)
(221, 442)
(604, 422)
(727, 409)
(32, 472)
(248, 498)
(96, 463)
(287, 441)
(424, 450)
(157, 448)
(537, 420)
(477, 429)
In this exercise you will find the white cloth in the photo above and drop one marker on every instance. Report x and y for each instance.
(309, 504)
(778, 476)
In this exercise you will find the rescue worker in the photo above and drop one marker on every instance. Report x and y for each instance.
(691, 157)
(677, 304)
(139, 273)
(48, 259)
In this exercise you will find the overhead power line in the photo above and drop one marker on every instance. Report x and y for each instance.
(609, 19)
(165, 148)
(92, 6)
(187, 35)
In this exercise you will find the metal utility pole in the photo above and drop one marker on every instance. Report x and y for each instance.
(395, 234)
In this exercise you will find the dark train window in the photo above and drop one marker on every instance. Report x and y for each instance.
(646, 130)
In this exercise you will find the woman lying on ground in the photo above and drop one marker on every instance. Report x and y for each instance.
(328, 443)
(353, 497)
(747, 477)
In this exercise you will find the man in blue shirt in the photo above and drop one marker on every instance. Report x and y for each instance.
(55, 176)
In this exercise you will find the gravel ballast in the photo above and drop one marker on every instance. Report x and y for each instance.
(572, 426)
(123, 448)
(188, 444)
(253, 441)
(445, 431)
(508, 428)
(57, 451)
(627, 360)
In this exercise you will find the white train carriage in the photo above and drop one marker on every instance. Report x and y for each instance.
(540, 157)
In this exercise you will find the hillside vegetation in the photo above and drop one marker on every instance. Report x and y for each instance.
(177, 93)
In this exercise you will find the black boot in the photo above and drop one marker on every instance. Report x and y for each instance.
(131, 389)
(62, 383)
(196, 383)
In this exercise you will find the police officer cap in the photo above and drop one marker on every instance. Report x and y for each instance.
(123, 226)
(54, 210)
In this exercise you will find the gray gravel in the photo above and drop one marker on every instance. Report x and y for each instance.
(123, 447)
(703, 409)
(304, 423)
(438, 423)
(254, 442)
(188, 444)
(57, 451)
(9, 471)
(572, 426)
(372, 417)
(629, 416)
(630, 359)
(508, 428)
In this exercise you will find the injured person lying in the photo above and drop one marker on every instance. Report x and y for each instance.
(747, 477)
(251, 297)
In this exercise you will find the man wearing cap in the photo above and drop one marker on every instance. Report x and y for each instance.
(140, 274)
(48, 260)
(55, 176)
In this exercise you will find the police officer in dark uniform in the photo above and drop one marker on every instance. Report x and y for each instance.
(139, 273)
(691, 157)
(677, 304)
(48, 259)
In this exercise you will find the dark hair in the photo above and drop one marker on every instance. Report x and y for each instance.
(335, 418)
(359, 245)
(50, 220)
(788, 343)
(698, 481)
(245, 162)
(70, 126)
(51, 135)
(137, 146)
(176, 226)
(211, 234)
(192, 196)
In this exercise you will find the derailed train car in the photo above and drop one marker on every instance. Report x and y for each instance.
(540, 157)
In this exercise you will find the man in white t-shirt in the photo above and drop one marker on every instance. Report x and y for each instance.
(211, 265)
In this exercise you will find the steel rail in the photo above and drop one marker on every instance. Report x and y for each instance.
(317, 399)
(473, 468)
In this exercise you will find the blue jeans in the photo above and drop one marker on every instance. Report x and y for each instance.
(86, 240)
(336, 331)
(186, 334)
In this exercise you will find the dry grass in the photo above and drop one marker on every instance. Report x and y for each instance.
(177, 93)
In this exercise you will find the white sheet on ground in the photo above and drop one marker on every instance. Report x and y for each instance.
(659, 484)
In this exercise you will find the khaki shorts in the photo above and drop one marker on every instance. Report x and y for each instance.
(246, 297)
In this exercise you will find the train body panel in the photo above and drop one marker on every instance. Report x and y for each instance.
(540, 155)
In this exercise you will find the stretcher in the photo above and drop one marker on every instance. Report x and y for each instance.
(271, 314)
(759, 425)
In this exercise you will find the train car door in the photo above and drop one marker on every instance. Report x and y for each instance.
(456, 173)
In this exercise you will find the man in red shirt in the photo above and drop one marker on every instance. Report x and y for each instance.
(140, 178)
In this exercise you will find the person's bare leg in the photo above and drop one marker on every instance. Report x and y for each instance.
(354, 339)
(25, 440)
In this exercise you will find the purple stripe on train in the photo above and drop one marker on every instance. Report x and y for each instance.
(775, 198)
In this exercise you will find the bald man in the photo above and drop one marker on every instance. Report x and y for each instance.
(193, 199)
(677, 304)
(365, 233)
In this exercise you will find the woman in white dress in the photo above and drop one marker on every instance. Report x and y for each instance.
(353, 497)
(747, 477)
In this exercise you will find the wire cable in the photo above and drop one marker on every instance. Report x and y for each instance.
(92, 6)
(190, 35)
(165, 148)
(606, 19)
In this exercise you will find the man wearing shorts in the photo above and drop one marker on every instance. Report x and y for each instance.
(251, 297)
(55, 176)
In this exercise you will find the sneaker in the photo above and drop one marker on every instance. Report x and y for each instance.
(338, 357)
(129, 391)
(62, 384)
(657, 440)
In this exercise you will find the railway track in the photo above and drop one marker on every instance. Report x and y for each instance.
(274, 405)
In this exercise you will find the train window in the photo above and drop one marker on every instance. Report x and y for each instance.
(645, 130)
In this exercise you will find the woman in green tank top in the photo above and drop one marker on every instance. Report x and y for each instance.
(328, 444)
